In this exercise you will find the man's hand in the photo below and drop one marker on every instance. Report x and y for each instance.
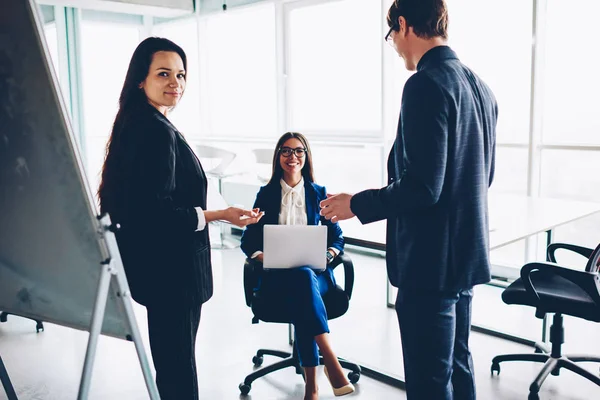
(241, 217)
(337, 207)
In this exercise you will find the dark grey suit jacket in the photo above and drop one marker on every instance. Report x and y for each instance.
(440, 168)
(166, 260)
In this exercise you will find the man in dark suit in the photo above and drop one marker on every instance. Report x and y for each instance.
(435, 203)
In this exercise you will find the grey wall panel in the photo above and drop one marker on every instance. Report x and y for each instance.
(50, 253)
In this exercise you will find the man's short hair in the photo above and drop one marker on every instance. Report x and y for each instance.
(428, 18)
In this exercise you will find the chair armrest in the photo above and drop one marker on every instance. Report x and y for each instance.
(552, 247)
(593, 264)
(344, 259)
(587, 281)
(252, 270)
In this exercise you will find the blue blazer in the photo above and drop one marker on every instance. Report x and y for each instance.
(268, 200)
(439, 169)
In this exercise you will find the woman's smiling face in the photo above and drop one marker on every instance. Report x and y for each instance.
(293, 164)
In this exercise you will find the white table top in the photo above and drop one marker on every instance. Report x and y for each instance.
(512, 218)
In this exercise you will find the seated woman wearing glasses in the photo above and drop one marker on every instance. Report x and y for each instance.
(292, 198)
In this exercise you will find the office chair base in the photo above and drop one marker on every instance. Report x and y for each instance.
(541, 347)
(552, 359)
(289, 360)
(39, 325)
(258, 358)
(552, 365)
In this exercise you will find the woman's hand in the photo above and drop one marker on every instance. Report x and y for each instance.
(241, 217)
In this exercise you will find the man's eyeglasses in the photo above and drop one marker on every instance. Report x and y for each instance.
(287, 152)
(388, 37)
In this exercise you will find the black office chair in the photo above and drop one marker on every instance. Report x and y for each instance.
(39, 325)
(336, 302)
(551, 288)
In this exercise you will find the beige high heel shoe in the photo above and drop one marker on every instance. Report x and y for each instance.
(341, 391)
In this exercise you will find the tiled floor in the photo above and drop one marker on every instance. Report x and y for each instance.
(48, 365)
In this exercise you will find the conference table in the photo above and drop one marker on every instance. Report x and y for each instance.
(512, 218)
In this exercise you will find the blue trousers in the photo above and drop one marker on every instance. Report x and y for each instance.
(299, 292)
(434, 328)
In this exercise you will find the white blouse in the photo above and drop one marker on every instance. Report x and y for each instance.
(293, 210)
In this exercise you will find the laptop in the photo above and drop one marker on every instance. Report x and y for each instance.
(292, 246)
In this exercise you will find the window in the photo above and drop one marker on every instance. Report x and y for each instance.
(494, 39)
(52, 43)
(569, 108)
(583, 232)
(571, 84)
(186, 116)
(241, 69)
(571, 174)
(347, 168)
(106, 48)
(396, 77)
(510, 175)
(47, 16)
(334, 67)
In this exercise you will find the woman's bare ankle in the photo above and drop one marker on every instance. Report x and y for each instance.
(311, 392)
(337, 378)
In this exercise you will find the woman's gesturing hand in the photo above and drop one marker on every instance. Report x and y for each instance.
(241, 217)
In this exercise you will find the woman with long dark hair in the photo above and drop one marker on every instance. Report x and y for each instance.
(291, 197)
(155, 188)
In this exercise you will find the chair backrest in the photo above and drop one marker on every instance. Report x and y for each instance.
(593, 264)
(264, 161)
(215, 159)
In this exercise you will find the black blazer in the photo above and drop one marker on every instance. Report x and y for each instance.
(268, 200)
(440, 168)
(161, 181)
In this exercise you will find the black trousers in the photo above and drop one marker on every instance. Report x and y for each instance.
(172, 333)
(435, 344)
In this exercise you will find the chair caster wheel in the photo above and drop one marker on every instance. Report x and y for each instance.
(245, 389)
(495, 368)
(39, 327)
(257, 360)
(533, 396)
(353, 377)
(3, 317)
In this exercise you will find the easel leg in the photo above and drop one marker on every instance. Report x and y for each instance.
(95, 328)
(8, 388)
(123, 292)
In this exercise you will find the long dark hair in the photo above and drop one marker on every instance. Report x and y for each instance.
(130, 100)
(307, 170)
